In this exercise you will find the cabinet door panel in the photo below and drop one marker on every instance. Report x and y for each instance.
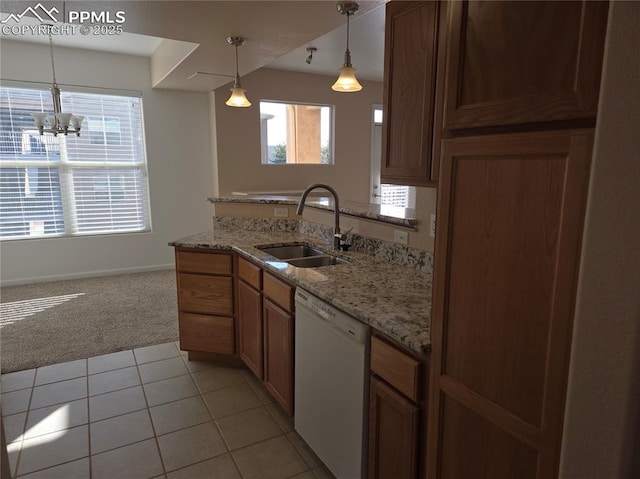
(523, 62)
(205, 294)
(211, 334)
(393, 434)
(250, 327)
(278, 367)
(410, 42)
(504, 292)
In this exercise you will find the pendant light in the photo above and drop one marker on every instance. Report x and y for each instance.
(58, 122)
(347, 81)
(237, 98)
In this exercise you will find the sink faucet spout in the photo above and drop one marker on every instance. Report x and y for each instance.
(336, 214)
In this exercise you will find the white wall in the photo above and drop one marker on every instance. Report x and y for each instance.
(602, 422)
(177, 131)
(238, 135)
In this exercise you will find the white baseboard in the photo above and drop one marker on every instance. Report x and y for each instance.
(88, 274)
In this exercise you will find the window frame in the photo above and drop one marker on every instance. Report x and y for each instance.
(264, 134)
(66, 166)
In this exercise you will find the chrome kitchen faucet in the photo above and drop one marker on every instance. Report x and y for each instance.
(337, 237)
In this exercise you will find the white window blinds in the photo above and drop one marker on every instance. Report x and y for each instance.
(68, 185)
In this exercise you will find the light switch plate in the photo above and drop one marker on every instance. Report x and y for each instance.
(401, 237)
(432, 227)
(280, 212)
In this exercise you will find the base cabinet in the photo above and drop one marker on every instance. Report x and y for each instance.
(278, 354)
(265, 327)
(250, 327)
(395, 405)
(206, 310)
(393, 434)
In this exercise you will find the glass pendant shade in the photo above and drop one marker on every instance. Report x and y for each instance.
(64, 119)
(238, 98)
(39, 118)
(347, 81)
(76, 121)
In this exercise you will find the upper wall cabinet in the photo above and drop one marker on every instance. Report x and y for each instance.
(409, 83)
(512, 63)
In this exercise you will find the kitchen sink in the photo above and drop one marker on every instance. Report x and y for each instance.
(302, 255)
(315, 261)
(291, 251)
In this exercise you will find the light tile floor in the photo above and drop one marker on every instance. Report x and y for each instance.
(149, 413)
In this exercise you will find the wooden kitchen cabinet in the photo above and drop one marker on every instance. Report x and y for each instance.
(411, 33)
(266, 330)
(512, 63)
(205, 301)
(505, 282)
(393, 434)
(395, 404)
(278, 354)
(250, 328)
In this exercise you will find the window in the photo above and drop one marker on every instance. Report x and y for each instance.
(103, 131)
(68, 185)
(296, 133)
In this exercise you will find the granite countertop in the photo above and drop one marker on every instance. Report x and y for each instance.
(394, 215)
(393, 299)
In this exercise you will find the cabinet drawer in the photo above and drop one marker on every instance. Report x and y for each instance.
(213, 334)
(250, 273)
(395, 367)
(205, 294)
(279, 292)
(206, 263)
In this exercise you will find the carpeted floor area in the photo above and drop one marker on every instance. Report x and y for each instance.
(47, 323)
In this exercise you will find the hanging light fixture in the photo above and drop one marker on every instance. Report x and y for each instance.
(237, 98)
(347, 81)
(58, 122)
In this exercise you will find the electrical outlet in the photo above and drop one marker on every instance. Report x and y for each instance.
(432, 227)
(401, 237)
(280, 212)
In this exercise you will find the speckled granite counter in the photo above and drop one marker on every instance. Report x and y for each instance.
(394, 215)
(395, 300)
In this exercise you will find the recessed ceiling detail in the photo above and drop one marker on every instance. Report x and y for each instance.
(201, 29)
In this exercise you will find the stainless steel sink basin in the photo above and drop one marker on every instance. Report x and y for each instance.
(302, 255)
(291, 251)
(315, 261)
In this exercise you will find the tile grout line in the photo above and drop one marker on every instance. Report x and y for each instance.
(24, 426)
(215, 421)
(89, 423)
(146, 401)
(74, 427)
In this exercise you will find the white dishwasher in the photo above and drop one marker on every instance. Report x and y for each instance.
(331, 384)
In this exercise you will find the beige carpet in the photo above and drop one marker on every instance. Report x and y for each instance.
(47, 323)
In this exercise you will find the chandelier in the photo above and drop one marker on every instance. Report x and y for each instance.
(59, 122)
